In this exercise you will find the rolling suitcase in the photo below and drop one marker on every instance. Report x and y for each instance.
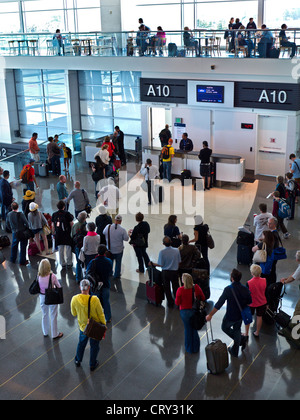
(245, 242)
(185, 174)
(36, 166)
(216, 355)
(43, 170)
(160, 194)
(154, 289)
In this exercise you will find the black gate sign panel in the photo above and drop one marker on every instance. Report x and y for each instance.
(163, 90)
(281, 96)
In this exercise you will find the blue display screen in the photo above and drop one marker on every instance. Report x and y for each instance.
(212, 94)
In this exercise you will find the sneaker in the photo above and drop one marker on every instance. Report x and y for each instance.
(77, 364)
(92, 368)
(286, 235)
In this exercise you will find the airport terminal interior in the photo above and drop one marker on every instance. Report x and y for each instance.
(252, 128)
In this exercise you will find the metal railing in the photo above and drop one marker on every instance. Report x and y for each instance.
(198, 42)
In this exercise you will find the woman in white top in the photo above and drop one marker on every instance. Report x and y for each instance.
(91, 243)
(49, 312)
(103, 154)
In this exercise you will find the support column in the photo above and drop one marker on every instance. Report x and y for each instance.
(111, 20)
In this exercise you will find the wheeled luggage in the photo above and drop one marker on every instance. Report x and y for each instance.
(154, 289)
(172, 49)
(185, 174)
(43, 170)
(245, 242)
(274, 295)
(160, 194)
(216, 354)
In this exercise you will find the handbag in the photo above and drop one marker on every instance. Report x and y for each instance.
(93, 329)
(246, 312)
(260, 255)
(279, 254)
(210, 241)
(34, 289)
(139, 241)
(88, 207)
(198, 319)
(53, 295)
(46, 230)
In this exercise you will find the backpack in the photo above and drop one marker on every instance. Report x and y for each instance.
(172, 50)
(62, 223)
(69, 153)
(165, 152)
(79, 236)
(284, 209)
(24, 175)
(94, 277)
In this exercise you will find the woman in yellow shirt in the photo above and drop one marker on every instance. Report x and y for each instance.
(79, 309)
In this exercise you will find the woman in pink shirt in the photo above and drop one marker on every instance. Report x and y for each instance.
(257, 286)
(49, 312)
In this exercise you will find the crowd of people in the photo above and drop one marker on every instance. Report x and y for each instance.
(237, 35)
(99, 246)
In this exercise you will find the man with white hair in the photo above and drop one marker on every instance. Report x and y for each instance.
(115, 236)
(79, 309)
(80, 197)
(110, 196)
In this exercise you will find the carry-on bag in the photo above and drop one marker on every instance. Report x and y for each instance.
(93, 329)
(154, 289)
(53, 295)
(43, 170)
(216, 354)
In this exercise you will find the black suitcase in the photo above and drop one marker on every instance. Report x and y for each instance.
(274, 53)
(244, 238)
(216, 355)
(274, 295)
(244, 254)
(172, 49)
(185, 174)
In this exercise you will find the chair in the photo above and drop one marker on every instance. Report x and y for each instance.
(32, 46)
(86, 46)
(76, 44)
(50, 48)
(11, 47)
(283, 49)
(208, 47)
(240, 48)
(190, 48)
(22, 46)
(217, 46)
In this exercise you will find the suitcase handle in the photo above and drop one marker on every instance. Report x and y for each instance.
(211, 331)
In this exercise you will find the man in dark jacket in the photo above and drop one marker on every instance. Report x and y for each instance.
(186, 144)
(17, 223)
(232, 321)
(120, 142)
(165, 135)
(6, 195)
(100, 268)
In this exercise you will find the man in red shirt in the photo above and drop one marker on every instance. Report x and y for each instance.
(28, 175)
(34, 148)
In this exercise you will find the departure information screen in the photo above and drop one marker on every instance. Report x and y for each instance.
(211, 94)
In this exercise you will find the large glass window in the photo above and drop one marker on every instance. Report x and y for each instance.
(277, 13)
(9, 17)
(42, 102)
(108, 99)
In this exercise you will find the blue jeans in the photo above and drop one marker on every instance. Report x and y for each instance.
(14, 249)
(191, 336)
(55, 162)
(78, 266)
(118, 258)
(104, 295)
(167, 166)
(233, 330)
(95, 347)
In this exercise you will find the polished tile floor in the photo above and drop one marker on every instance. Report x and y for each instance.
(143, 356)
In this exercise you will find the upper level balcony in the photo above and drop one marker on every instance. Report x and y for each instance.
(190, 44)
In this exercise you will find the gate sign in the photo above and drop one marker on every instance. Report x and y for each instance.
(163, 90)
(281, 96)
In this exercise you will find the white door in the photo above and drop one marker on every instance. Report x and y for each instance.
(159, 117)
(234, 133)
(271, 145)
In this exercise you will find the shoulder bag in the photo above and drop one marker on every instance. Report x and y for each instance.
(53, 295)
(260, 255)
(34, 289)
(88, 207)
(210, 241)
(93, 329)
(108, 253)
(198, 319)
(246, 312)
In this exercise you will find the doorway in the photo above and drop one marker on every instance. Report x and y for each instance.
(159, 117)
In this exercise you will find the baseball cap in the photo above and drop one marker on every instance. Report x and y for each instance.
(118, 217)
